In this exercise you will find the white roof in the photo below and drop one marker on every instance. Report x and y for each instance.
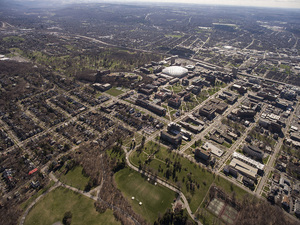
(175, 71)
(248, 160)
(214, 149)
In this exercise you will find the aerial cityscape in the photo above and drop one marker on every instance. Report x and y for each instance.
(149, 113)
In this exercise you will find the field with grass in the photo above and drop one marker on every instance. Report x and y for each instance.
(155, 198)
(53, 206)
(229, 188)
(74, 177)
(25, 204)
(114, 91)
(193, 180)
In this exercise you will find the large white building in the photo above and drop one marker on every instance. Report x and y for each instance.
(175, 71)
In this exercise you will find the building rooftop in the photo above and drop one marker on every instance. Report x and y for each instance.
(175, 71)
(248, 160)
(214, 150)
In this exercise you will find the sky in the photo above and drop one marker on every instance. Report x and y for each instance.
(258, 3)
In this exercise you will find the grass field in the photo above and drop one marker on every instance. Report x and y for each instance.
(25, 204)
(198, 175)
(74, 178)
(155, 199)
(229, 188)
(189, 171)
(114, 91)
(54, 205)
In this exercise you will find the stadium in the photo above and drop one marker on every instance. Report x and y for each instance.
(175, 71)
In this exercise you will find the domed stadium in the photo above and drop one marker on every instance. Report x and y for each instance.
(175, 71)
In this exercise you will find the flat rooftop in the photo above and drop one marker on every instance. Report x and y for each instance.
(214, 149)
(248, 160)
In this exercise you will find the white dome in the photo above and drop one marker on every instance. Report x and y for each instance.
(175, 71)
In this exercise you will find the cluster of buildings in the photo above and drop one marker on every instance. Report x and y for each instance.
(211, 107)
(175, 134)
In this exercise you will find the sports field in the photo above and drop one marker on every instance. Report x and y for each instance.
(155, 198)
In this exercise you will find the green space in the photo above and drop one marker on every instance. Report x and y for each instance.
(230, 188)
(177, 87)
(213, 90)
(189, 151)
(206, 217)
(193, 180)
(114, 91)
(137, 137)
(265, 160)
(155, 198)
(268, 140)
(226, 144)
(55, 204)
(73, 177)
(237, 126)
(25, 204)
(266, 189)
(13, 39)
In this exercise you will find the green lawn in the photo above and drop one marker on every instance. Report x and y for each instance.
(155, 198)
(114, 92)
(229, 188)
(189, 175)
(54, 205)
(25, 204)
(74, 178)
(265, 160)
(200, 177)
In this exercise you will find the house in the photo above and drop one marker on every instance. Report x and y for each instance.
(35, 184)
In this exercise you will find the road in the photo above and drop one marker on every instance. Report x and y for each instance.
(270, 167)
(216, 121)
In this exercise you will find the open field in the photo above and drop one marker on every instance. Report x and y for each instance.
(25, 204)
(53, 206)
(155, 199)
(74, 178)
(194, 181)
(114, 91)
(230, 188)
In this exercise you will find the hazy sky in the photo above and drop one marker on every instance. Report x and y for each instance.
(259, 3)
(263, 3)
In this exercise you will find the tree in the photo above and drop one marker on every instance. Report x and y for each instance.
(67, 218)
